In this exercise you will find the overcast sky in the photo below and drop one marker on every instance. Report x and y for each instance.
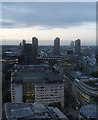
(67, 20)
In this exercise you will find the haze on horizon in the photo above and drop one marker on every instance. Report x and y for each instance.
(48, 20)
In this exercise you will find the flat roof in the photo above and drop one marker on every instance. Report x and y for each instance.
(22, 112)
(89, 111)
(59, 113)
(39, 107)
(37, 75)
(31, 110)
(18, 110)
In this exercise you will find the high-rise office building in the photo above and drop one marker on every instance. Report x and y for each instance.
(22, 44)
(78, 47)
(71, 47)
(34, 47)
(28, 53)
(72, 44)
(21, 58)
(57, 46)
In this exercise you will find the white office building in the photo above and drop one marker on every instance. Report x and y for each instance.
(36, 84)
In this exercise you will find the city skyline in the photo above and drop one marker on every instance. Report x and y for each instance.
(46, 21)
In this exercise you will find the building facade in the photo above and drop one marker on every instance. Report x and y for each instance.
(85, 91)
(35, 47)
(78, 47)
(57, 46)
(31, 84)
(89, 65)
(28, 54)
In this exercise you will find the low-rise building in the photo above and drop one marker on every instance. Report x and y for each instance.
(83, 88)
(32, 111)
(86, 90)
(89, 112)
(89, 64)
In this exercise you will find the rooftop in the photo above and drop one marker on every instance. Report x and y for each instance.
(89, 111)
(32, 110)
(36, 74)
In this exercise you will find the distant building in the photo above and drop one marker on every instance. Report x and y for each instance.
(57, 46)
(28, 54)
(35, 47)
(78, 47)
(89, 65)
(70, 52)
(22, 44)
(50, 59)
(36, 84)
(32, 111)
(89, 112)
(72, 46)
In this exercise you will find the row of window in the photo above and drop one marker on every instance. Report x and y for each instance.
(52, 95)
(42, 87)
(49, 98)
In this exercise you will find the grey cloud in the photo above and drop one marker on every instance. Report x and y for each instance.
(52, 15)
